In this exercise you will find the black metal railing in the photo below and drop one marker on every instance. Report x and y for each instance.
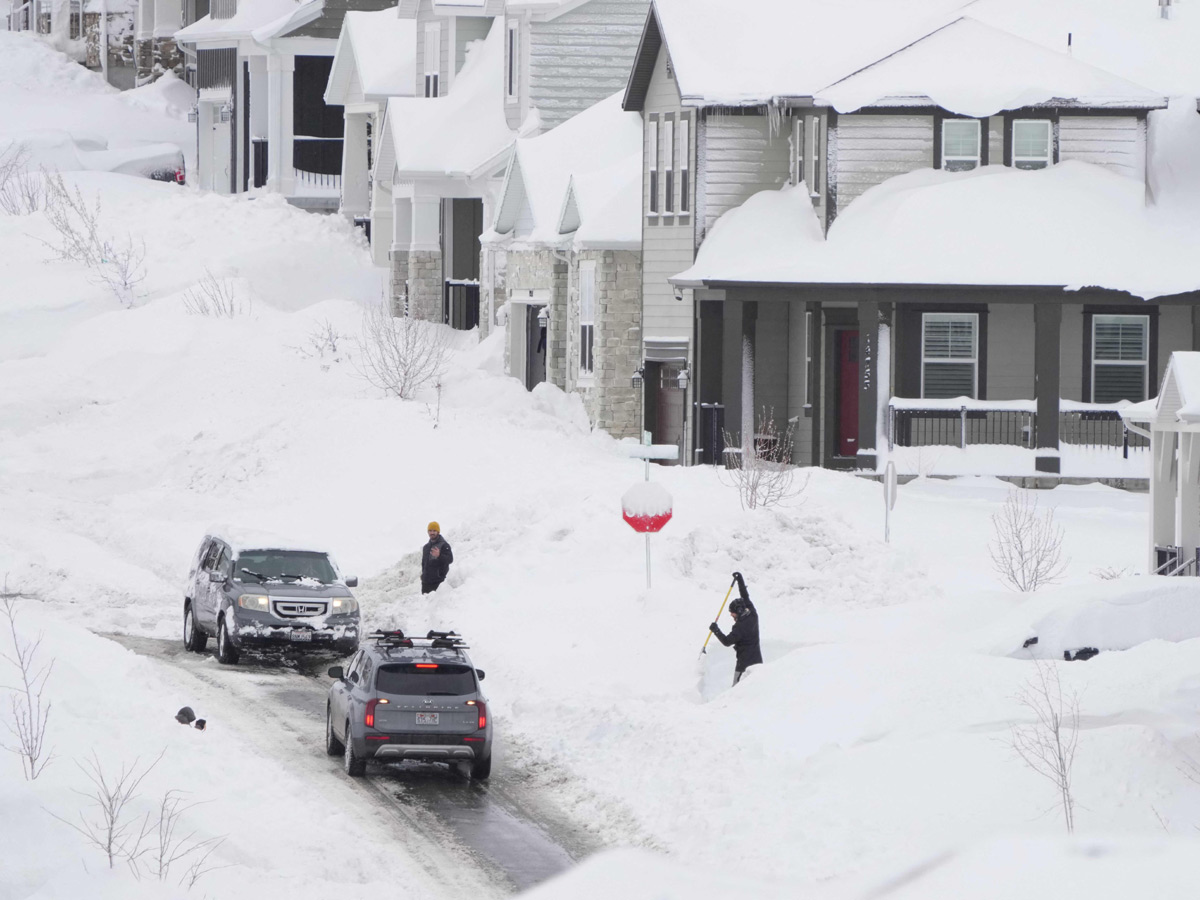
(1170, 560)
(1098, 428)
(460, 304)
(318, 156)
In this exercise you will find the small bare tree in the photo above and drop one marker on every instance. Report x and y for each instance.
(1026, 547)
(21, 191)
(764, 474)
(30, 708)
(213, 296)
(114, 828)
(1047, 744)
(76, 222)
(122, 270)
(400, 356)
(170, 847)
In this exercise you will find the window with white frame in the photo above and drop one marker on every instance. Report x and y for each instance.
(652, 154)
(797, 149)
(814, 155)
(587, 317)
(949, 355)
(1120, 358)
(668, 144)
(512, 84)
(1032, 143)
(961, 144)
(433, 57)
(806, 153)
(809, 346)
(684, 171)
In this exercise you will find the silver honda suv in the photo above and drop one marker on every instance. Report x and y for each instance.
(251, 593)
(409, 698)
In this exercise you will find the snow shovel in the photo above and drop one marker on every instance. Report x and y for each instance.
(704, 649)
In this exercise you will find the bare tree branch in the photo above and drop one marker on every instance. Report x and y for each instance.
(401, 355)
(764, 474)
(1047, 744)
(30, 708)
(1026, 547)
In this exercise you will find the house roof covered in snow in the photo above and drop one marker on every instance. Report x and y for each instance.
(407, 9)
(1020, 74)
(463, 134)
(1073, 225)
(1177, 406)
(584, 174)
(377, 52)
(256, 16)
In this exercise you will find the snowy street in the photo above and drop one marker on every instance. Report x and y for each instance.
(876, 752)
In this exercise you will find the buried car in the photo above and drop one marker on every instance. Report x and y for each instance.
(254, 593)
(409, 698)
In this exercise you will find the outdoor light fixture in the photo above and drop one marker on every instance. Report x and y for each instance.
(637, 378)
(543, 317)
(226, 112)
(684, 378)
(679, 293)
(194, 115)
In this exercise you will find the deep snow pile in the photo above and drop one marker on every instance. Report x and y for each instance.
(875, 737)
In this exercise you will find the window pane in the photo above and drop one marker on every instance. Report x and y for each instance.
(1031, 145)
(949, 380)
(1119, 382)
(949, 337)
(960, 144)
(1120, 338)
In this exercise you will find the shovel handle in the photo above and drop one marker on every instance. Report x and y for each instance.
(704, 649)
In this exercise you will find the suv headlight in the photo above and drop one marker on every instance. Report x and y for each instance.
(343, 605)
(257, 602)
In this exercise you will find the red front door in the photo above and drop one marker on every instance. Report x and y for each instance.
(847, 393)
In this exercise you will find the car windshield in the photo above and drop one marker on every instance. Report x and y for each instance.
(426, 680)
(283, 565)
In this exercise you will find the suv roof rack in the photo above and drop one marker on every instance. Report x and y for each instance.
(445, 640)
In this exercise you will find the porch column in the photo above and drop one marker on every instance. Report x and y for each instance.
(745, 377)
(1162, 491)
(286, 123)
(1187, 511)
(425, 258)
(1046, 341)
(401, 240)
(816, 322)
(868, 382)
(355, 191)
(275, 76)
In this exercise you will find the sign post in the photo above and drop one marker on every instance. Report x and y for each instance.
(889, 499)
(647, 505)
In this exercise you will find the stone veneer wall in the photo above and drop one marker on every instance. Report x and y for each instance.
(399, 282)
(425, 285)
(538, 270)
(156, 56)
(612, 403)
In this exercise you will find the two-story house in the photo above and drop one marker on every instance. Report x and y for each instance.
(261, 69)
(891, 221)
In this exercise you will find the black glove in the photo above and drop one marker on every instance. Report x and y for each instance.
(714, 628)
(737, 576)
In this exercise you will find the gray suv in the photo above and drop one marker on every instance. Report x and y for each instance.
(409, 698)
(258, 594)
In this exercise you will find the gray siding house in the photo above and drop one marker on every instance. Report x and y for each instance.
(861, 353)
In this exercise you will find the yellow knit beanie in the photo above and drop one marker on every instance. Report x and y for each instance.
(433, 526)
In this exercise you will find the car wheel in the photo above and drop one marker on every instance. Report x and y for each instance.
(194, 639)
(333, 746)
(227, 654)
(481, 769)
(355, 767)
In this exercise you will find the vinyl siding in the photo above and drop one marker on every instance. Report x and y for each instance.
(873, 148)
(1174, 333)
(742, 157)
(771, 362)
(1070, 352)
(426, 15)
(1010, 351)
(1117, 142)
(579, 58)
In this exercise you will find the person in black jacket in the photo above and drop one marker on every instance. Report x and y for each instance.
(743, 636)
(436, 557)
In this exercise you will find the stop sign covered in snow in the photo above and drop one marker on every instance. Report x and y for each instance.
(646, 506)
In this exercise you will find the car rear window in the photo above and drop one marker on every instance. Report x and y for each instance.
(425, 680)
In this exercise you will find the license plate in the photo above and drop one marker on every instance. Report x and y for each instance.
(301, 635)
(427, 718)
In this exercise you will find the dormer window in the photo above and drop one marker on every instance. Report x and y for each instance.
(1032, 143)
(512, 71)
(432, 51)
(961, 144)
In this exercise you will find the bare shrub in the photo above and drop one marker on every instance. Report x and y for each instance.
(1047, 744)
(76, 222)
(123, 270)
(170, 846)
(764, 475)
(30, 708)
(21, 191)
(1026, 546)
(114, 828)
(400, 356)
(1112, 573)
(213, 296)
(325, 343)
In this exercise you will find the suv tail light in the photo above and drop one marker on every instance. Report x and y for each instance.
(369, 717)
(482, 708)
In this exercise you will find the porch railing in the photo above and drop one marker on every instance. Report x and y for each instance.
(1170, 560)
(460, 304)
(961, 422)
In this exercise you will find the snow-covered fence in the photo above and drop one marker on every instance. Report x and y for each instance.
(962, 422)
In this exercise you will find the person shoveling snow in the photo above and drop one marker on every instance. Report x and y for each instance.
(743, 636)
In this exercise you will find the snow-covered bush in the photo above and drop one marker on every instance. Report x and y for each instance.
(21, 191)
(401, 355)
(27, 702)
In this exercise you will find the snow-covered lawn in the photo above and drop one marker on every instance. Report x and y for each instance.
(875, 738)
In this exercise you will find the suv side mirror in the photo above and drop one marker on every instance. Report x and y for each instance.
(216, 577)
(479, 672)
(352, 581)
(337, 672)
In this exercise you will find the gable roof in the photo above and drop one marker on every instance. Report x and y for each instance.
(461, 134)
(1177, 406)
(552, 180)
(942, 69)
(249, 18)
(379, 49)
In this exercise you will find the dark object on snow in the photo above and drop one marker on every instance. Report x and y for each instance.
(434, 568)
(1029, 642)
(743, 636)
(185, 716)
(200, 724)
(1080, 654)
